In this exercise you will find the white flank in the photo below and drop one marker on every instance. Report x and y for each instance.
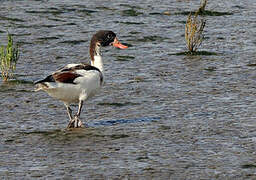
(85, 86)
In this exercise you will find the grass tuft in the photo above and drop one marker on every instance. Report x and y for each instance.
(9, 56)
(194, 29)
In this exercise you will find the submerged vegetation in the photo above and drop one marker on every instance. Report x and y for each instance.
(194, 29)
(203, 53)
(206, 13)
(201, 9)
(202, 12)
(9, 56)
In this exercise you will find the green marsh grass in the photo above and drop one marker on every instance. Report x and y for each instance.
(9, 56)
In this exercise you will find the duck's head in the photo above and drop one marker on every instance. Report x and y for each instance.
(104, 38)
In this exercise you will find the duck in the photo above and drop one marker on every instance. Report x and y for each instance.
(75, 83)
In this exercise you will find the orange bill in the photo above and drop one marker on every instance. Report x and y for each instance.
(117, 44)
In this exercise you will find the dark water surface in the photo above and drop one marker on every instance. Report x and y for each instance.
(159, 115)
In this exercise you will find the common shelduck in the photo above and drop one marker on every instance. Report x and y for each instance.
(77, 82)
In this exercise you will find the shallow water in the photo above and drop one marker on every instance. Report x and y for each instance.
(159, 115)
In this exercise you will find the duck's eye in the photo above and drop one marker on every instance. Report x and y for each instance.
(109, 36)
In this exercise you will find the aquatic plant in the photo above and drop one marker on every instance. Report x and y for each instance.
(201, 9)
(194, 32)
(194, 29)
(9, 56)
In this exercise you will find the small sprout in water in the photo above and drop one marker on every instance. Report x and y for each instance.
(9, 56)
(167, 13)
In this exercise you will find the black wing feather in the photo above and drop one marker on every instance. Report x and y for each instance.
(47, 79)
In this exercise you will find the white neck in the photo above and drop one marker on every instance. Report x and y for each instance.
(98, 63)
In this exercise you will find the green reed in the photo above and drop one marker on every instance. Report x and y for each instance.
(9, 56)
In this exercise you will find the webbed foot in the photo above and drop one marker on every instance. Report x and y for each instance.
(75, 123)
